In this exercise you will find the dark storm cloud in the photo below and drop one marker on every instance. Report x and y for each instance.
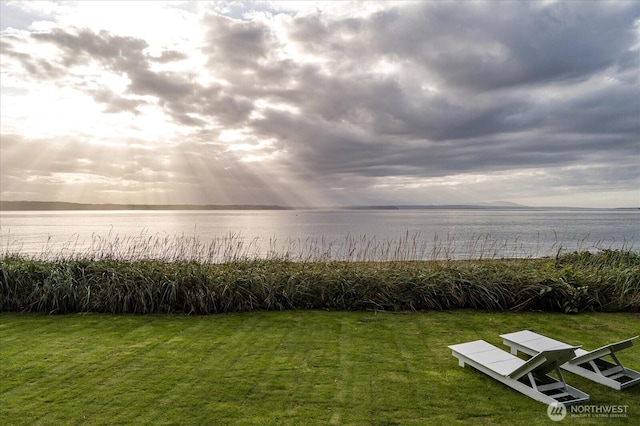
(169, 56)
(115, 103)
(167, 86)
(237, 44)
(35, 66)
(338, 149)
(613, 110)
(504, 74)
(484, 46)
(178, 93)
(419, 90)
(123, 52)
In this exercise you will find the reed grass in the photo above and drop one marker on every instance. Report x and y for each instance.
(574, 282)
(352, 248)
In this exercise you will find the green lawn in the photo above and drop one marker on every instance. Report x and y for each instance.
(291, 367)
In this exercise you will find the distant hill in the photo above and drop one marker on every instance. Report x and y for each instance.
(461, 207)
(482, 205)
(59, 205)
(500, 204)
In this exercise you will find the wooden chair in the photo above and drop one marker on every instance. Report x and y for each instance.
(589, 364)
(528, 377)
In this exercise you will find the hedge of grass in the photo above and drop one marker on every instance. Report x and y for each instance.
(576, 282)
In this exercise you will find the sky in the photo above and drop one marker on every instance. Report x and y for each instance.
(321, 103)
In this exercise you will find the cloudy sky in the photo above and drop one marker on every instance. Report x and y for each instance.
(321, 104)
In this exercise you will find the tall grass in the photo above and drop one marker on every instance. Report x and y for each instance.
(605, 281)
(163, 273)
(351, 248)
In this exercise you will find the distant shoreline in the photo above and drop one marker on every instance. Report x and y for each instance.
(64, 206)
(60, 205)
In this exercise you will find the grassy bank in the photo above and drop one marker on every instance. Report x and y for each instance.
(577, 282)
(288, 368)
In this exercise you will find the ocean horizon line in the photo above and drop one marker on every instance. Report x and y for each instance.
(24, 205)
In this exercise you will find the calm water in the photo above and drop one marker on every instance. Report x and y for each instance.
(325, 234)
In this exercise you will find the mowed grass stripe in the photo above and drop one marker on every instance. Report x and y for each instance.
(292, 367)
(302, 363)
